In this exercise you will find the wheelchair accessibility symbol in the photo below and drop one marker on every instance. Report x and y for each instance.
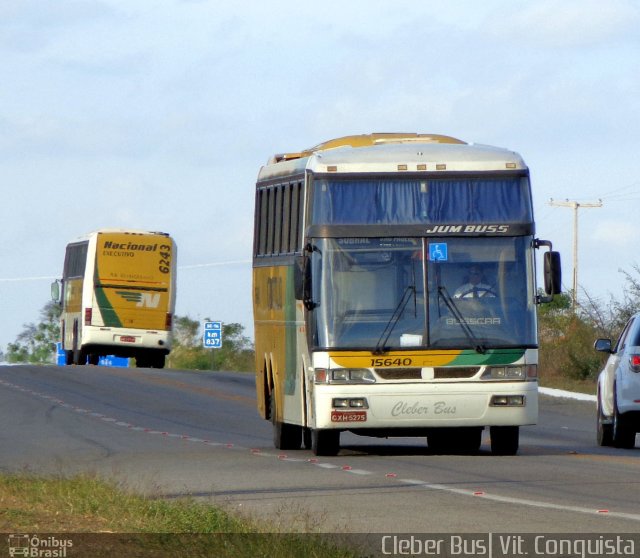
(438, 252)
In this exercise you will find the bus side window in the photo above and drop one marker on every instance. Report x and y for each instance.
(264, 222)
(277, 221)
(271, 209)
(286, 219)
(297, 209)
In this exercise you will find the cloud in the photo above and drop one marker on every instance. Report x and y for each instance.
(614, 233)
(30, 25)
(567, 23)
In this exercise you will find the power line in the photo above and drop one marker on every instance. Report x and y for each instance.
(180, 267)
(575, 205)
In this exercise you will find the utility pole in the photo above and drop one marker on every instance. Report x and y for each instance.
(575, 205)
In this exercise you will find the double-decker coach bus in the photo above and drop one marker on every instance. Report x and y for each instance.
(394, 289)
(118, 293)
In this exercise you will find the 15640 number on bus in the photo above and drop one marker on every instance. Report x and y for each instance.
(391, 361)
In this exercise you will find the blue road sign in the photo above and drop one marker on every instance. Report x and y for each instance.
(212, 338)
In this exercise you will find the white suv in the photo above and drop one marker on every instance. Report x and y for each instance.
(619, 388)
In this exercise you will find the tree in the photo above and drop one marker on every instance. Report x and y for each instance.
(37, 342)
(236, 352)
(566, 337)
(566, 340)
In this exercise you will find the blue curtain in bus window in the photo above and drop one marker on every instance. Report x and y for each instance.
(472, 201)
(419, 201)
(343, 202)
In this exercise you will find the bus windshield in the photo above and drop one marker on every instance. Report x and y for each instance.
(449, 293)
(392, 200)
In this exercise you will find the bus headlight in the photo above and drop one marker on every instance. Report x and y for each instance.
(361, 375)
(353, 403)
(507, 401)
(512, 373)
(352, 376)
(343, 376)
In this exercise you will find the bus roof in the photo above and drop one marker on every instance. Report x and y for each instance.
(87, 236)
(393, 153)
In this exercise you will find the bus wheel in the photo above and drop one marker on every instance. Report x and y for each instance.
(325, 442)
(68, 357)
(285, 436)
(157, 361)
(94, 358)
(504, 440)
(80, 357)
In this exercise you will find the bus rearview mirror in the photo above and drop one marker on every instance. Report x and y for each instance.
(56, 291)
(552, 273)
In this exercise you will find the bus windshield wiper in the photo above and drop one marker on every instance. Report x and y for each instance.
(395, 318)
(451, 305)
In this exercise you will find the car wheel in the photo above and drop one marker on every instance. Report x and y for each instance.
(604, 430)
(623, 436)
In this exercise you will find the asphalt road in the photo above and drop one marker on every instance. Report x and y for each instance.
(175, 433)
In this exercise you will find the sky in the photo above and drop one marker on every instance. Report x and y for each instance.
(157, 114)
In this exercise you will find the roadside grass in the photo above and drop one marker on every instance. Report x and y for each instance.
(111, 521)
(568, 384)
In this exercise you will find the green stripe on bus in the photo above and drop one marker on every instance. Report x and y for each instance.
(492, 356)
(109, 315)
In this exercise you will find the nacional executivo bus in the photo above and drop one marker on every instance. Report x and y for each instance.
(118, 293)
(394, 293)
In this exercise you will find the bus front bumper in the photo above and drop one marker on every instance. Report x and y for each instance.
(404, 406)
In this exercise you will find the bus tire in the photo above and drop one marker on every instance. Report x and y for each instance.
(505, 440)
(143, 361)
(94, 358)
(68, 358)
(285, 436)
(80, 357)
(157, 361)
(325, 442)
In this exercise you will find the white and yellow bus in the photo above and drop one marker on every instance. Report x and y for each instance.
(118, 293)
(394, 293)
